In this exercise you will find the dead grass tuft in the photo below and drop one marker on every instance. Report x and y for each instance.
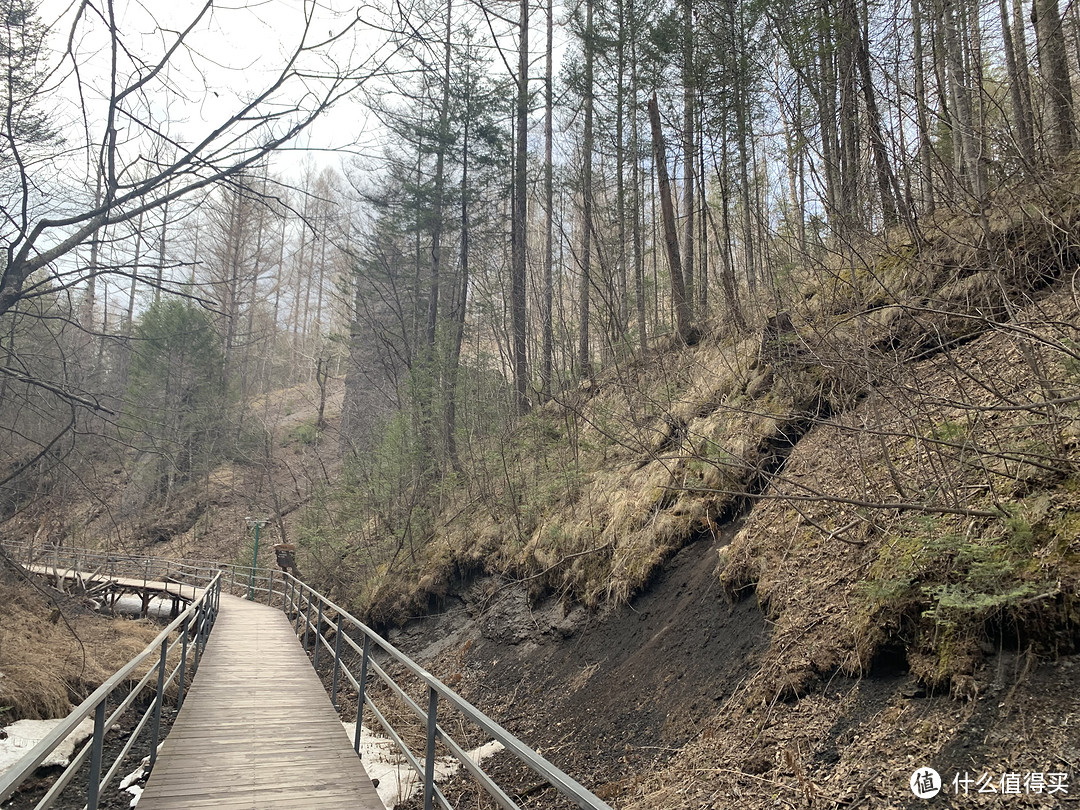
(52, 655)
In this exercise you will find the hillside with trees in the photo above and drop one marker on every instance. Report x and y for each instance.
(581, 293)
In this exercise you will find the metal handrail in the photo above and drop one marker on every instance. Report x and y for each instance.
(299, 599)
(194, 628)
(236, 577)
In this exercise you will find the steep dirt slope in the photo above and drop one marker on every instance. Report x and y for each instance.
(902, 591)
(604, 695)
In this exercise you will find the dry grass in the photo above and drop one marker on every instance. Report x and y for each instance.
(840, 579)
(596, 491)
(53, 654)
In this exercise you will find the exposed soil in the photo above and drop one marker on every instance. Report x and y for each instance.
(612, 697)
(602, 695)
(856, 742)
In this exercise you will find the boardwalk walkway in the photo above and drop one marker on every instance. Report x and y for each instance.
(189, 592)
(257, 730)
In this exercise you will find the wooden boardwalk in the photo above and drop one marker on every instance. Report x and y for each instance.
(257, 730)
(189, 592)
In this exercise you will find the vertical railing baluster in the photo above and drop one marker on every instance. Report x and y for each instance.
(318, 636)
(429, 763)
(337, 663)
(183, 661)
(361, 698)
(299, 599)
(200, 615)
(307, 621)
(156, 729)
(93, 783)
(270, 590)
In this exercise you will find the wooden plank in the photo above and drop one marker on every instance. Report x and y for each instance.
(257, 729)
(190, 592)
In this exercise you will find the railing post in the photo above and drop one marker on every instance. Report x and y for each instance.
(156, 729)
(318, 636)
(93, 782)
(337, 663)
(429, 762)
(183, 661)
(200, 619)
(299, 599)
(270, 590)
(307, 621)
(361, 698)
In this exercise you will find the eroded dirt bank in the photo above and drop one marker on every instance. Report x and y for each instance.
(603, 695)
(612, 697)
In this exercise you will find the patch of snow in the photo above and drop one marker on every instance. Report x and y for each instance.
(136, 774)
(136, 794)
(130, 604)
(23, 735)
(397, 780)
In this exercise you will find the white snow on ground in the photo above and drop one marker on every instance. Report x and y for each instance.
(135, 775)
(23, 735)
(397, 780)
(136, 793)
(130, 604)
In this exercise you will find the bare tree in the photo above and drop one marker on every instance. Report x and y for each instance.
(42, 227)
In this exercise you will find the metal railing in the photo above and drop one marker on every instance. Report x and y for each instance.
(315, 612)
(258, 583)
(188, 632)
(313, 616)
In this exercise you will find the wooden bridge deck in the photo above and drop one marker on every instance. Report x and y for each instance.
(257, 730)
(189, 592)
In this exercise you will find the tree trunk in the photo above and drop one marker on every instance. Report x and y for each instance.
(460, 303)
(687, 333)
(1025, 142)
(1023, 74)
(922, 116)
(830, 149)
(161, 248)
(584, 360)
(635, 185)
(548, 342)
(620, 291)
(1054, 65)
(689, 184)
(963, 124)
(442, 138)
(893, 206)
(850, 201)
(517, 281)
